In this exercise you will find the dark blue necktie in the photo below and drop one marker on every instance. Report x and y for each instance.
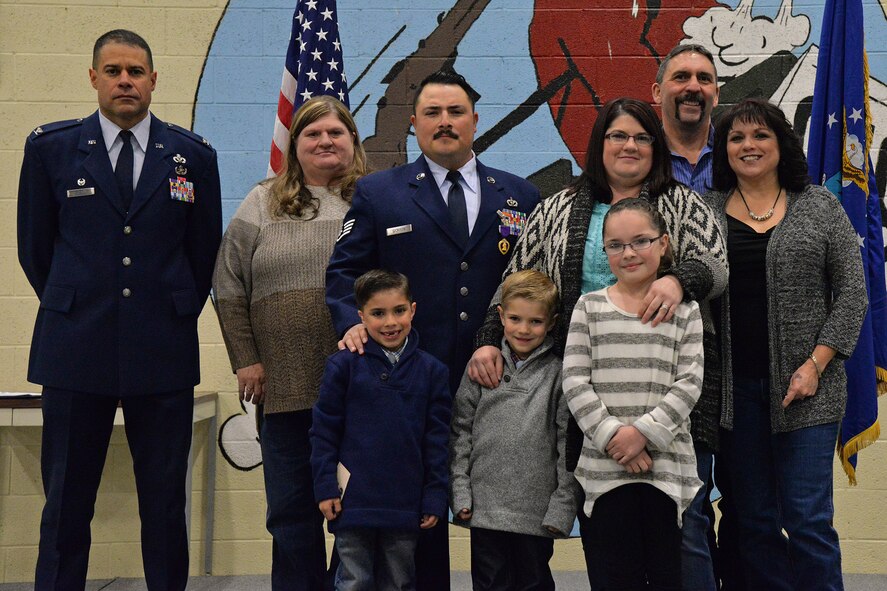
(123, 171)
(456, 204)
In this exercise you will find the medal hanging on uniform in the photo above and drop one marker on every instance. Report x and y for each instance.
(512, 224)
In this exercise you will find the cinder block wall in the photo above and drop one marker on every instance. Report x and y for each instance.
(45, 48)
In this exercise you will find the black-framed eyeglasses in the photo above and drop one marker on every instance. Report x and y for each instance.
(637, 245)
(641, 139)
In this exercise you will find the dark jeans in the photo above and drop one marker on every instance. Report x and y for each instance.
(782, 481)
(373, 559)
(298, 560)
(698, 572)
(636, 539)
(76, 431)
(506, 561)
(728, 566)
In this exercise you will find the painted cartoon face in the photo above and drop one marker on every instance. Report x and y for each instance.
(388, 317)
(634, 267)
(627, 165)
(689, 90)
(445, 124)
(738, 40)
(325, 150)
(124, 82)
(526, 323)
(752, 151)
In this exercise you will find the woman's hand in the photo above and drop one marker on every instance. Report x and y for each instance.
(486, 366)
(464, 514)
(662, 300)
(626, 444)
(803, 384)
(251, 383)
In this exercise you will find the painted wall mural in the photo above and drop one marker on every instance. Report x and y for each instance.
(542, 67)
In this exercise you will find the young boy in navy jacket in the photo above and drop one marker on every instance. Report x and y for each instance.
(379, 441)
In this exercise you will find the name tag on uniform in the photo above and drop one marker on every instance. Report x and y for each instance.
(81, 192)
(399, 230)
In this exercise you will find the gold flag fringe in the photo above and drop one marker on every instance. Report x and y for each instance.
(864, 439)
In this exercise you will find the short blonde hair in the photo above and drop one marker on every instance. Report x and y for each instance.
(531, 285)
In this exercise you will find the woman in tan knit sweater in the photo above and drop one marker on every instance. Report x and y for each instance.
(268, 290)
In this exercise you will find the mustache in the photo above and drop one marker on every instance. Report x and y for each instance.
(691, 96)
(446, 132)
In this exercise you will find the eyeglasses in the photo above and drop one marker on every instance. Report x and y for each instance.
(641, 139)
(614, 248)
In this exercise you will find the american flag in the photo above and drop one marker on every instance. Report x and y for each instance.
(313, 67)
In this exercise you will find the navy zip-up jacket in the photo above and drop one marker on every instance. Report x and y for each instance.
(389, 427)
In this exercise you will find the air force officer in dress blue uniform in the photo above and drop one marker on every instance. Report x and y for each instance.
(448, 223)
(119, 221)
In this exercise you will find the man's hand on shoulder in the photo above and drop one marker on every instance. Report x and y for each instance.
(486, 366)
(354, 339)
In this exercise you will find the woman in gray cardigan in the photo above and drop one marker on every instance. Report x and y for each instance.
(792, 311)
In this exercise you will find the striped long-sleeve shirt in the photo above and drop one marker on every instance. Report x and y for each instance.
(620, 372)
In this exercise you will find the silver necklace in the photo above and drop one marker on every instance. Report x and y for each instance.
(754, 216)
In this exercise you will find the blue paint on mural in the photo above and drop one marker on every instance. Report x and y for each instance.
(236, 101)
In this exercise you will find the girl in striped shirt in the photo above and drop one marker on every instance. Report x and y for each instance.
(631, 387)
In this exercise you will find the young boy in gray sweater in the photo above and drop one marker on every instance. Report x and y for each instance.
(508, 479)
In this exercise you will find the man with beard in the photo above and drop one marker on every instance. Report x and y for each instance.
(686, 88)
(449, 224)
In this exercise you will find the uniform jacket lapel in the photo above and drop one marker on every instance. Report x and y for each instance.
(427, 197)
(157, 167)
(97, 163)
(492, 199)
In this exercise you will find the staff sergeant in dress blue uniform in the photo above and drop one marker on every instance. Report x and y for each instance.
(119, 221)
(449, 224)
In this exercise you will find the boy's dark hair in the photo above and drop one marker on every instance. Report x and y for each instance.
(792, 167)
(533, 286)
(123, 37)
(372, 282)
(656, 220)
(449, 77)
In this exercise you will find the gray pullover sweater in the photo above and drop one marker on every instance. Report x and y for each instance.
(507, 449)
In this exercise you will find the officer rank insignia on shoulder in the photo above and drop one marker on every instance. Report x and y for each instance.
(54, 126)
(181, 189)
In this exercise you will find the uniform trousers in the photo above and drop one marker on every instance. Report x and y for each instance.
(76, 431)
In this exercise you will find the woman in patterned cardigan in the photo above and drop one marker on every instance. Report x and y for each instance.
(627, 156)
(268, 289)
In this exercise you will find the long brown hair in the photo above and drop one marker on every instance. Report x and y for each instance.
(290, 196)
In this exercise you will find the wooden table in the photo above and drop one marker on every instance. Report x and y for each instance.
(27, 412)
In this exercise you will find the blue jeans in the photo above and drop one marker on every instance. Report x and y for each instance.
(782, 481)
(697, 571)
(298, 559)
(374, 559)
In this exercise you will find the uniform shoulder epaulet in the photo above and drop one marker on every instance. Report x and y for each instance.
(189, 134)
(54, 126)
